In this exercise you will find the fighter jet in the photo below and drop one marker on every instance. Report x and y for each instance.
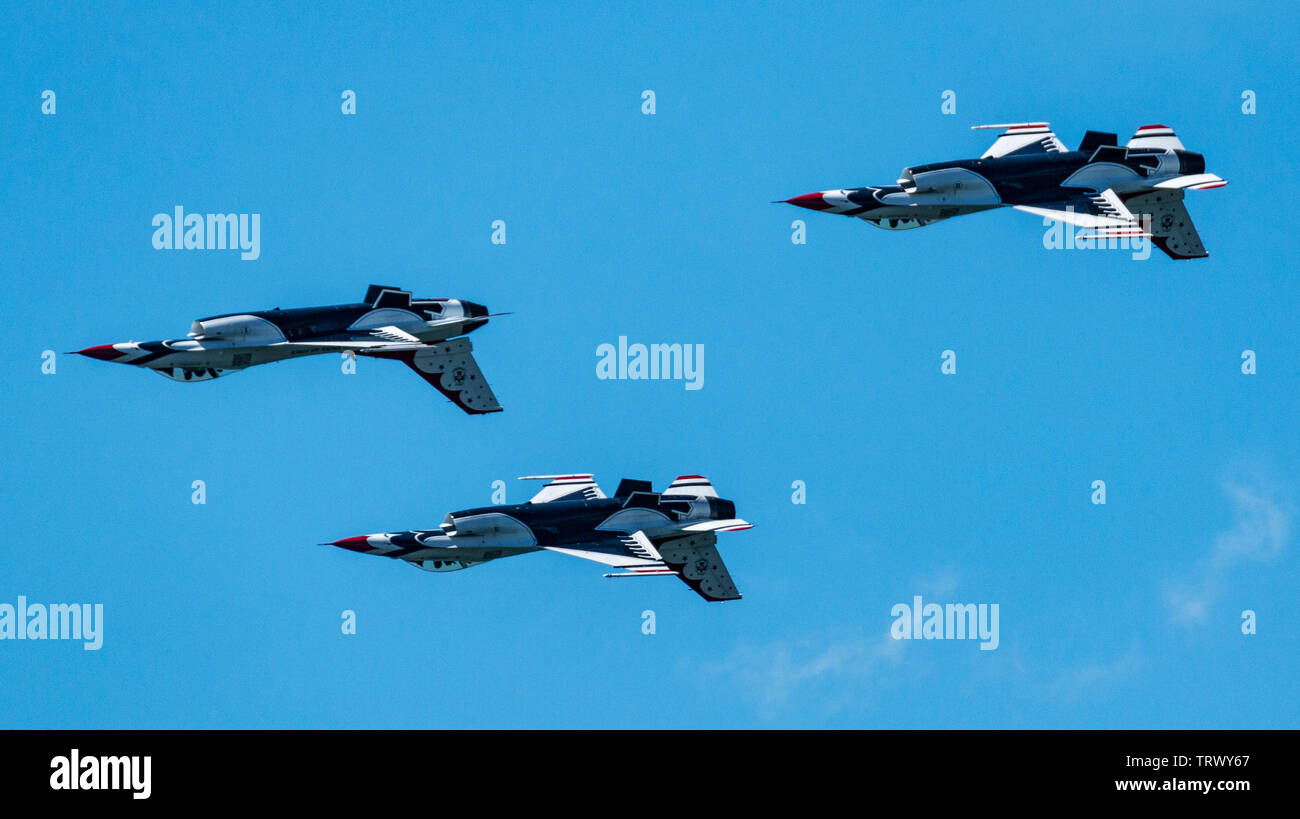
(1132, 190)
(638, 532)
(423, 333)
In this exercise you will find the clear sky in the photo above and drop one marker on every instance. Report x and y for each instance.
(822, 365)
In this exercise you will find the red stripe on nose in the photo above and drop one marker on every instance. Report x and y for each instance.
(104, 352)
(355, 544)
(812, 201)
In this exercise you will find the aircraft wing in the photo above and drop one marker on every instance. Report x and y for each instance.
(1159, 214)
(448, 365)
(1170, 224)
(1104, 210)
(633, 552)
(693, 558)
(696, 561)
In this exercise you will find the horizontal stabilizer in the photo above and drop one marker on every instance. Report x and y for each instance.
(1194, 182)
(727, 525)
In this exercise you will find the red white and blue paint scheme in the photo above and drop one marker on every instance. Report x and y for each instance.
(423, 333)
(1114, 191)
(636, 533)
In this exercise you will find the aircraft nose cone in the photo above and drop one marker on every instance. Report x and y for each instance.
(354, 544)
(812, 201)
(103, 352)
(473, 310)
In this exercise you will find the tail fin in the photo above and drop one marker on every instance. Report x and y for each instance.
(580, 485)
(629, 485)
(1092, 140)
(691, 486)
(1155, 136)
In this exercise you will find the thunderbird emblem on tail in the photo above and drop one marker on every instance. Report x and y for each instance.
(423, 333)
(1132, 190)
(637, 533)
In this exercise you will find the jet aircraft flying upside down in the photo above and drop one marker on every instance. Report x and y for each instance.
(1132, 190)
(638, 532)
(423, 333)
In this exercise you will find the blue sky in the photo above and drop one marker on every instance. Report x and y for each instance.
(822, 365)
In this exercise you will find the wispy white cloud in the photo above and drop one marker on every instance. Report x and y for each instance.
(1260, 533)
(776, 673)
(834, 668)
(938, 584)
(1097, 678)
